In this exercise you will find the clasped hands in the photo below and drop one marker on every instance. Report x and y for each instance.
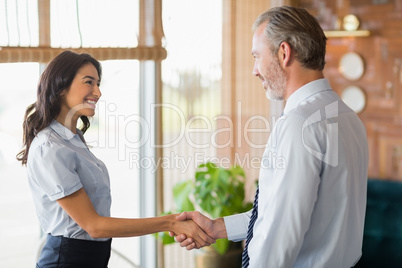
(208, 231)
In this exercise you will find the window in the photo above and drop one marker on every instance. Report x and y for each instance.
(114, 130)
(112, 136)
(19, 23)
(94, 23)
(191, 97)
(19, 228)
(191, 77)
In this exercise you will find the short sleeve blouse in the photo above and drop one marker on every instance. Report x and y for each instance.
(59, 163)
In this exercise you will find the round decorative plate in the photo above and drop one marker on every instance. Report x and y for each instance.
(351, 66)
(350, 22)
(354, 97)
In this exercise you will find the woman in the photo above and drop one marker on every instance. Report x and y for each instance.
(70, 186)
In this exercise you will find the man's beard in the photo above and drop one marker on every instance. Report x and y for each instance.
(277, 85)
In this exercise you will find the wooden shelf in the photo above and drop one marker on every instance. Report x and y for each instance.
(358, 33)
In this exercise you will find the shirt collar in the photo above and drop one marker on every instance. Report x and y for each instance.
(304, 92)
(63, 132)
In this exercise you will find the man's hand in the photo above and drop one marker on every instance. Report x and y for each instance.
(213, 228)
(189, 228)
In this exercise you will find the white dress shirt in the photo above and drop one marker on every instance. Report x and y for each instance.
(312, 183)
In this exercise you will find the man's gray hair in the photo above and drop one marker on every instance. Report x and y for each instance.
(300, 30)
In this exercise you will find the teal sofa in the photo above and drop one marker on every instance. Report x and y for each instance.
(382, 241)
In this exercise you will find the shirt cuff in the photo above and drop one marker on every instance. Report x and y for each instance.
(237, 225)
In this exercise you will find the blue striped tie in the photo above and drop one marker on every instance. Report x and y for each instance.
(254, 215)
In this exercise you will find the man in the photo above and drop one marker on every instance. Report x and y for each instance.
(310, 211)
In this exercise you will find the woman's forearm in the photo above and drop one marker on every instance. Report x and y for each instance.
(119, 227)
(79, 207)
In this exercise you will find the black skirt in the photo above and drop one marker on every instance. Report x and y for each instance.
(62, 252)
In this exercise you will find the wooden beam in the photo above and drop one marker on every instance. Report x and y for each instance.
(46, 54)
(44, 22)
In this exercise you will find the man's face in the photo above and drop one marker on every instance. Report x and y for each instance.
(267, 66)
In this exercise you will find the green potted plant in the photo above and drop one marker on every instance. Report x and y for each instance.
(215, 192)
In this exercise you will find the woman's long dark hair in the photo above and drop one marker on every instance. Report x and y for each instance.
(58, 75)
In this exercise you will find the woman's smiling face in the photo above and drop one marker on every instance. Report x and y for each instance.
(81, 98)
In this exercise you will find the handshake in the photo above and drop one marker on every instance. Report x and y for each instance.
(216, 190)
(194, 230)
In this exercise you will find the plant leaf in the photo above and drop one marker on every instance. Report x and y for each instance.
(181, 193)
(165, 238)
(221, 246)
